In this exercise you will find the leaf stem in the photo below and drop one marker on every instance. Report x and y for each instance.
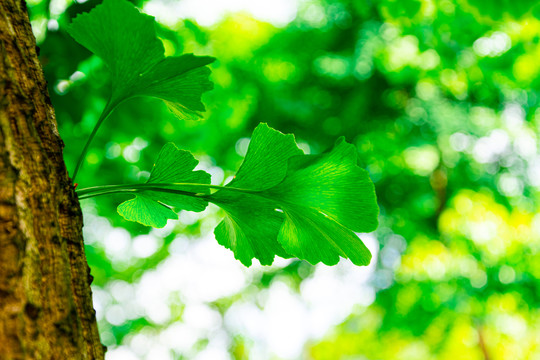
(163, 187)
(104, 115)
(87, 196)
(118, 191)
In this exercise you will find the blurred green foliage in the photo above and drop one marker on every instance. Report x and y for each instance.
(440, 98)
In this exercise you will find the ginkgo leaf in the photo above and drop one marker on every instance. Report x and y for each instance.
(265, 164)
(146, 211)
(180, 82)
(312, 236)
(126, 40)
(250, 228)
(332, 183)
(151, 205)
(251, 225)
(323, 199)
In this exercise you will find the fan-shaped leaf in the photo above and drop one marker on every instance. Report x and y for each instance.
(173, 166)
(126, 41)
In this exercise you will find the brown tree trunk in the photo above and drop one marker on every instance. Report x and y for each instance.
(45, 298)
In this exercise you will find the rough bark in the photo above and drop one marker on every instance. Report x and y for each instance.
(46, 307)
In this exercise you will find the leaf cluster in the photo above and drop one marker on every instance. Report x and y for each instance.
(281, 202)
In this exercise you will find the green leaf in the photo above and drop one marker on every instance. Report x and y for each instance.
(325, 198)
(250, 228)
(173, 166)
(333, 184)
(126, 41)
(146, 211)
(265, 164)
(251, 225)
(312, 236)
(313, 202)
